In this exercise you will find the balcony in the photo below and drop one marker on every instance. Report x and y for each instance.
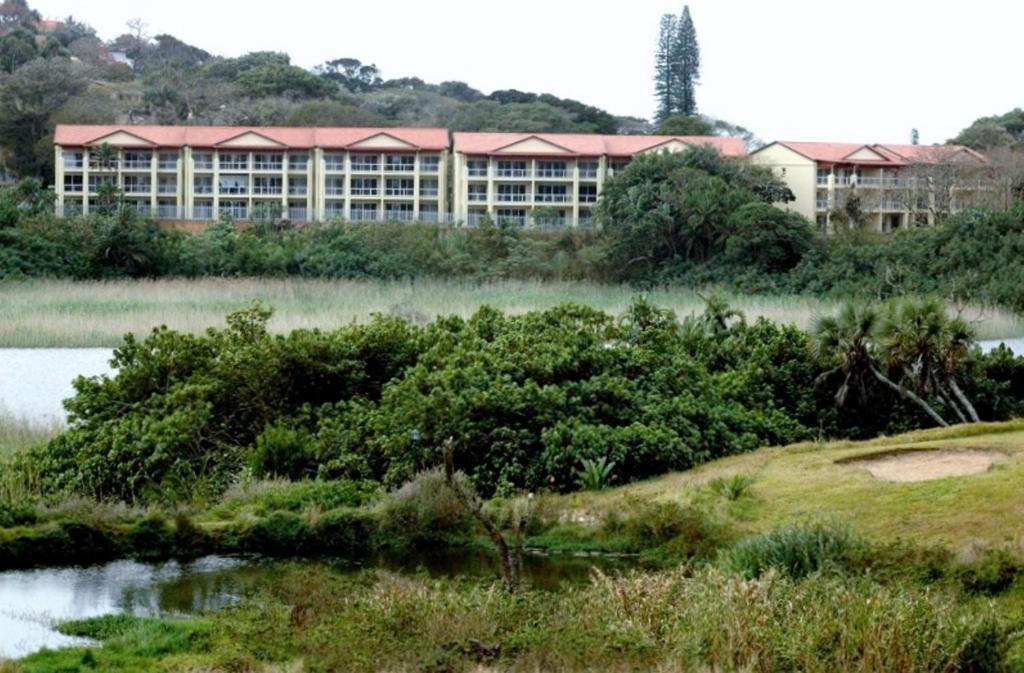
(552, 173)
(511, 198)
(336, 166)
(588, 198)
(365, 191)
(590, 174)
(821, 204)
(334, 211)
(551, 222)
(168, 165)
(399, 191)
(268, 166)
(429, 192)
(297, 214)
(74, 163)
(234, 165)
(365, 168)
(869, 182)
(399, 215)
(822, 181)
(296, 190)
(517, 220)
(138, 164)
(202, 189)
(234, 189)
(262, 190)
(167, 189)
(399, 168)
(478, 172)
(551, 198)
(204, 165)
(513, 173)
(475, 219)
(363, 216)
(142, 188)
(432, 167)
(167, 212)
(335, 191)
(478, 197)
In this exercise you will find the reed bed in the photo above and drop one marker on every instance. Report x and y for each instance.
(58, 313)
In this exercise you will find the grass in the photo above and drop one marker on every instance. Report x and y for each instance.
(56, 313)
(804, 483)
(17, 434)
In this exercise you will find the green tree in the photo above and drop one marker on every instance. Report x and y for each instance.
(16, 48)
(681, 125)
(768, 238)
(686, 60)
(665, 70)
(849, 338)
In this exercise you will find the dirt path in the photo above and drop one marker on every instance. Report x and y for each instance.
(908, 466)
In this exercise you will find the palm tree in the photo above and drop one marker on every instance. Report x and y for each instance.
(849, 338)
(928, 348)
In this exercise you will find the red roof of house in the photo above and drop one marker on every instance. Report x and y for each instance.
(76, 135)
(887, 154)
(587, 144)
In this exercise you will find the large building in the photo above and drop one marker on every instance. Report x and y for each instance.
(198, 173)
(889, 186)
(554, 179)
(302, 174)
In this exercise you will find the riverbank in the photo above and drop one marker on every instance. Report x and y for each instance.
(57, 313)
(785, 557)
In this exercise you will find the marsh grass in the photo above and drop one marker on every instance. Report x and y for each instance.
(58, 313)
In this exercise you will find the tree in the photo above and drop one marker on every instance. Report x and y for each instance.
(32, 93)
(849, 338)
(915, 137)
(928, 349)
(681, 125)
(16, 48)
(17, 14)
(687, 62)
(351, 73)
(665, 71)
(768, 238)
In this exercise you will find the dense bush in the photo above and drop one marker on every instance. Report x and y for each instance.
(798, 551)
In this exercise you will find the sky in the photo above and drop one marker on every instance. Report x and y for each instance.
(843, 71)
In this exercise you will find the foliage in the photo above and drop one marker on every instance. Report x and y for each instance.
(986, 133)
(595, 475)
(798, 551)
(732, 488)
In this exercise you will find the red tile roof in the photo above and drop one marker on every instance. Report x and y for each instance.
(75, 135)
(888, 154)
(587, 144)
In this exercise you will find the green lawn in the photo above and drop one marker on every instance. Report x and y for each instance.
(69, 313)
(804, 482)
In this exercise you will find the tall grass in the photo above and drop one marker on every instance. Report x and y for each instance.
(67, 313)
(17, 434)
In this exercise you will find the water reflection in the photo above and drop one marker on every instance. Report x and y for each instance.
(34, 382)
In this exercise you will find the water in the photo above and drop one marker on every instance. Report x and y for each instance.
(35, 381)
(33, 601)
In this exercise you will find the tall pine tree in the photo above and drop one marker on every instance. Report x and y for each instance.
(686, 62)
(665, 69)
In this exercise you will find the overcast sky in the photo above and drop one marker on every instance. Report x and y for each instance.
(856, 71)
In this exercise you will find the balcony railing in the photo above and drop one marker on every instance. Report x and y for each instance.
(138, 163)
(511, 198)
(821, 204)
(588, 198)
(73, 188)
(333, 212)
(513, 173)
(234, 165)
(336, 166)
(236, 189)
(204, 165)
(475, 219)
(517, 220)
(168, 212)
(588, 174)
(476, 196)
(550, 222)
(297, 214)
(168, 165)
(261, 190)
(363, 216)
(366, 167)
(297, 190)
(202, 213)
(237, 212)
(202, 189)
(478, 172)
(429, 191)
(399, 191)
(143, 188)
(430, 167)
(268, 165)
(335, 191)
(822, 181)
(74, 163)
(365, 191)
(551, 198)
(399, 168)
(552, 173)
(167, 189)
(399, 215)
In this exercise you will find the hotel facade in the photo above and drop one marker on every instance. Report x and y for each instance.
(197, 173)
(894, 186)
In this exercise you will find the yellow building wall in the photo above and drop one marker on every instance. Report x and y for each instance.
(799, 173)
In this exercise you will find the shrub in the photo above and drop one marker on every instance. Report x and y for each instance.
(16, 515)
(990, 575)
(798, 551)
(345, 532)
(424, 510)
(279, 534)
(283, 452)
(151, 537)
(679, 531)
(732, 488)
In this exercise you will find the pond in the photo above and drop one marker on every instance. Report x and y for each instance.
(34, 382)
(33, 601)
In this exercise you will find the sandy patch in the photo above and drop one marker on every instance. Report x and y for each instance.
(925, 465)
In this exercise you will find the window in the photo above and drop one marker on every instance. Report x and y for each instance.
(514, 193)
(137, 160)
(551, 169)
(234, 184)
(202, 210)
(263, 186)
(167, 209)
(72, 207)
(588, 194)
(167, 185)
(404, 163)
(297, 211)
(236, 209)
(203, 185)
(430, 163)
(823, 174)
(429, 188)
(552, 193)
(234, 162)
(96, 180)
(203, 161)
(72, 183)
(402, 212)
(477, 168)
(268, 162)
(364, 186)
(477, 192)
(335, 186)
(167, 161)
(512, 169)
(366, 162)
(334, 162)
(620, 165)
(821, 220)
(297, 186)
(429, 213)
(588, 170)
(334, 209)
(74, 159)
(363, 212)
(512, 216)
(136, 184)
(400, 187)
(299, 162)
